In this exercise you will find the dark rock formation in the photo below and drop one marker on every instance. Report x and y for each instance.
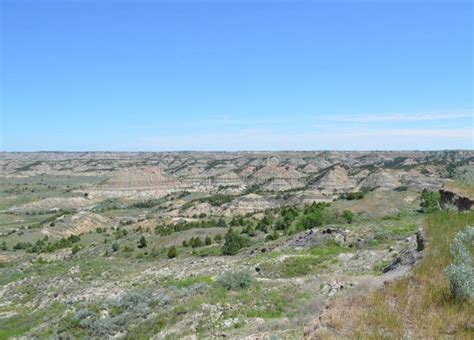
(316, 237)
(406, 258)
(420, 241)
(451, 198)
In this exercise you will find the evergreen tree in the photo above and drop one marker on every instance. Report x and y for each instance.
(172, 253)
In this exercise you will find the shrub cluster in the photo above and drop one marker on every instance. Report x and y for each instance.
(43, 246)
(429, 201)
(358, 195)
(235, 280)
(196, 242)
(169, 229)
(461, 272)
(122, 313)
(145, 204)
(234, 242)
(172, 253)
(217, 200)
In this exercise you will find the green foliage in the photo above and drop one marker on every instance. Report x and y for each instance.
(262, 226)
(120, 233)
(249, 230)
(289, 214)
(217, 200)
(142, 243)
(233, 243)
(237, 221)
(235, 280)
(222, 223)
(208, 251)
(169, 229)
(281, 224)
(145, 205)
(218, 238)
(348, 216)
(40, 246)
(196, 242)
(254, 189)
(172, 253)
(429, 201)
(75, 249)
(17, 325)
(115, 247)
(22, 245)
(265, 222)
(353, 195)
(312, 219)
(273, 236)
(208, 241)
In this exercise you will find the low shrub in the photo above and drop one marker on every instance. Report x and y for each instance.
(352, 195)
(235, 280)
(122, 313)
(196, 242)
(273, 236)
(145, 205)
(461, 272)
(348, 216)
(233, 243)
(461, 281)
(172, 253)
(208, 251)
(429, 201)
(142, 243)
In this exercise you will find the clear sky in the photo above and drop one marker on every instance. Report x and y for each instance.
(236, 75)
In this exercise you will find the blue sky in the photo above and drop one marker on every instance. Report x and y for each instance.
(236, 75)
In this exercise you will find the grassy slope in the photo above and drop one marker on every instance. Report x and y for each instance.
(421, 305)
(460, 188)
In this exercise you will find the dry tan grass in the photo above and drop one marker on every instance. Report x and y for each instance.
(418, 306)
(461, 189)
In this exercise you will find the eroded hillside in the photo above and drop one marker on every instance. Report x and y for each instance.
(205, 244)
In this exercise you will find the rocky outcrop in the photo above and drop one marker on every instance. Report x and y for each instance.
(407, 257)
(316, 237)
(450, 198)
(410, 256)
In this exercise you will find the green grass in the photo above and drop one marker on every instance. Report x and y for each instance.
(208, 251)
(10, 274)
(19, 324)
(327, 250)
(301, 263)
(460, 188)
(405, 230)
